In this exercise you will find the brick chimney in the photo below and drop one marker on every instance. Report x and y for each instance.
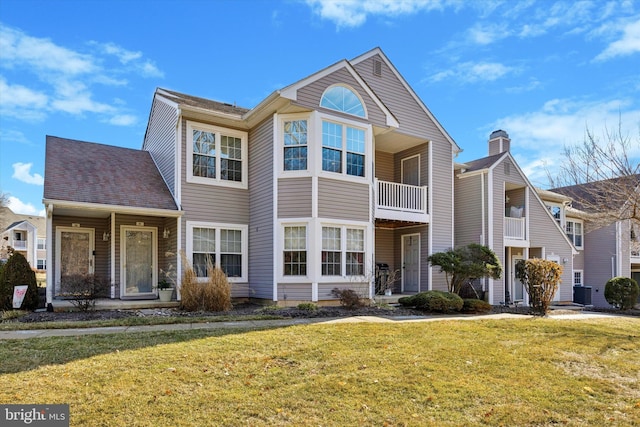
(499, 142)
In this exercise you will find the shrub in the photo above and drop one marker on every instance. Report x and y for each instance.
(472, 305)
(83, 290)
(348, 298)
(307, 306)
(435, 301)
(212, 295)
(621, 292)
(17, 271)
(540, 278)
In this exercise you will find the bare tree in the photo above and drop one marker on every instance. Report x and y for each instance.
(602, 177)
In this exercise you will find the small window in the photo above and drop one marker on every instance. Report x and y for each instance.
(216, 155)
(343, 99)
(42, 264)
(42, 244)
(295, 251)
(574, 233)
(225, 245)
(577, 278)
(343, 145)
(295, 145)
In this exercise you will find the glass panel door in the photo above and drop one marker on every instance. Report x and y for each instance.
(411, 170)
(138, 267)
(74, 251)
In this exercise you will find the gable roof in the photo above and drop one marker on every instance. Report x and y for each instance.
(483, 163)
(586, 195)
(378, 51)
(86, 172)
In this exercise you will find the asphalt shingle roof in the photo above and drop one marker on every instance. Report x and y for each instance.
(87, 172)
(208, 104)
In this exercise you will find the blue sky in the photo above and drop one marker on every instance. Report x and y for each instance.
(543, 71)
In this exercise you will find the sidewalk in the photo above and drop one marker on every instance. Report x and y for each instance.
(262, 324)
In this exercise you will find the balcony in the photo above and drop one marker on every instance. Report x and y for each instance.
(514, 228)
(20, 245)
(401, 202)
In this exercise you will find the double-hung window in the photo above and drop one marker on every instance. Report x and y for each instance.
(342, 250)
(216, 155)
(577, 278)
(42, 244)
(295, 145)
(343, 149)
(574, 232)
(295, 251)
(222, 244)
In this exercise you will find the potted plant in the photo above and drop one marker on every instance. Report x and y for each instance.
(165, 290)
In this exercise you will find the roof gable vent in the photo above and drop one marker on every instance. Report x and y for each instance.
(377, 67)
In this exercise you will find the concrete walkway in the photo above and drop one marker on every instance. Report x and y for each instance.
(263, 324)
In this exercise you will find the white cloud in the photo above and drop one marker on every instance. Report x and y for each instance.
(628, 44)
(484, 34)
(354, 13)
(22, 172)
(21, 102)
(16, 136)
(123, 120)
(65, 79)
(18, 206)
(539, 137)
(474, 72)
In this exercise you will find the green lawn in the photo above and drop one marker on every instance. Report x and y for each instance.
(524, 372)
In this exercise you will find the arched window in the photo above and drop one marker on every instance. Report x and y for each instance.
(342, 99)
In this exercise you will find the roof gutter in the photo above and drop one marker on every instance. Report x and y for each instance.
(98, 207)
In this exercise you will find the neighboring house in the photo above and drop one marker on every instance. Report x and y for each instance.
(26, 234)
(496, 205)
(299, 195)
(605, 251)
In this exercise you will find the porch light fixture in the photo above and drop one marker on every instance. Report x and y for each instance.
(165, 233)
(106, 236)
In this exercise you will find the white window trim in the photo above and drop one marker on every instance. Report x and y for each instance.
(44, 244)
(556, 205)
(219, 131)
(244, 229)
(573, 240)
(581, 277)
(317, 148)
(44, 262)
(280, 255)
(279, 157)
(343, 253)
(355, 92)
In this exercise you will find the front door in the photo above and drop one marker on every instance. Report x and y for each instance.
(516, 290)
(138, 272)
(410, 262)
(74, 252)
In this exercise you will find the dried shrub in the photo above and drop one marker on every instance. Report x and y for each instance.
(540, 278)
(212, 295)
(473, 305)
(622, 292)
(83, 290)
(348, 298)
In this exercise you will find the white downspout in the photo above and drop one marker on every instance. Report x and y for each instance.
(50, 266)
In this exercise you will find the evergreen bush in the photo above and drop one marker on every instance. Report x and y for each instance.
(473, 305)
(17, 271)
(622, 292)
(435, 301)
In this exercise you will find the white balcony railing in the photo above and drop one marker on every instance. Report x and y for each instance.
(401, 201)
(20, 245)
(514, 228)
